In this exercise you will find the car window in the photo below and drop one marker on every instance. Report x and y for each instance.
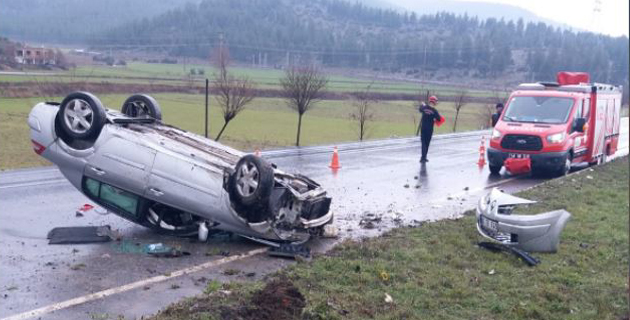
(119, 198)
(113, 196)
(92, 187)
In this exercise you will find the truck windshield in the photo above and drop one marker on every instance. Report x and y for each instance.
(538, 109)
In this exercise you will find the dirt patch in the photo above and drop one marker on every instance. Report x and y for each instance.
(278, 300)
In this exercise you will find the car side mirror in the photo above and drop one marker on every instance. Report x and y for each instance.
(578, 124)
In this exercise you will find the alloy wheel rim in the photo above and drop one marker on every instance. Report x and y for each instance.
(79, 116)
(247, 179)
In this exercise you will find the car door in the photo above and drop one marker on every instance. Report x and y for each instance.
(183, 184)
(580, 146)
(121, 163)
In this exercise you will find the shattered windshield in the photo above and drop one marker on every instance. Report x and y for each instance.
(552, 110)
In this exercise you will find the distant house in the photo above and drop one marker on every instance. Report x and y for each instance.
(35, 56)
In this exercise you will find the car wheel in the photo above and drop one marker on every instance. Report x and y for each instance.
(252, 182)
(169, 221)
(81, 115)
(142, 105)
(494, 169)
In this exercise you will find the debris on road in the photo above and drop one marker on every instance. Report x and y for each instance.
(370, 220)
(77, 266)
(83, 209)
(290, 251)
(159, 250)
(330, 231)
(79, 235)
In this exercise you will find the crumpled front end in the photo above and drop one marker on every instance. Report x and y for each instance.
(538, 233)
(295, 209)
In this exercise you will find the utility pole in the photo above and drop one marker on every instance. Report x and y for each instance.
(425, 63)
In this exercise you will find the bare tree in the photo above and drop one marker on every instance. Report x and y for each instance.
(362, 102)
(232, 93)
(303, 87)
(460, 102)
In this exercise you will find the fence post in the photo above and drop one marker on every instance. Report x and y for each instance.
(206, 118)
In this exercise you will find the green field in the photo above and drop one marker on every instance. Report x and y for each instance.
(177, 74)
(266, 123)
(437, 271)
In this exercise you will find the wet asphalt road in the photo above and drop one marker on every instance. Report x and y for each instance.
(380, 178)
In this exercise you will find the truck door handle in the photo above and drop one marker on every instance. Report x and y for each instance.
(156, 192)
(98, 171)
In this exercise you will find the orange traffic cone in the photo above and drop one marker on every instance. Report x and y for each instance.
(334, 164)
(257, 153)
(482, 151)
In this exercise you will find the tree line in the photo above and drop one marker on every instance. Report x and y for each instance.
(337, 33)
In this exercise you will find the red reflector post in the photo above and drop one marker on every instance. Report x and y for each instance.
(38, 148)
(566, 78)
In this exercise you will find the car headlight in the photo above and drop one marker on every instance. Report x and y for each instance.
(556, 138)
(496, 134)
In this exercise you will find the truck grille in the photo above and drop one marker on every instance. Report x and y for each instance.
(521, 142)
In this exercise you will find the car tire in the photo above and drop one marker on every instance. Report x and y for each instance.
(566, 168)
(81, 115)
(494, 169)
(252, 182)
(142, 105)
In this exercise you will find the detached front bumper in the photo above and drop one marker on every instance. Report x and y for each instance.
(540, 232)
(547, 160)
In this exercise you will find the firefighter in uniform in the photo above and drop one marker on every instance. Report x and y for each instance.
(497, 115)
(429, 116)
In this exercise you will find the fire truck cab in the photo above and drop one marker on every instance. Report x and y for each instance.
(548, 126)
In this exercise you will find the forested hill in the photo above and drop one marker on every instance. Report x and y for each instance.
(337, 33)
(72, 21)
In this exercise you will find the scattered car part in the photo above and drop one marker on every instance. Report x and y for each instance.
(498, 247)
(171, 180)
(79, 235)
(535, 233)
(160, 250)
(290, 251)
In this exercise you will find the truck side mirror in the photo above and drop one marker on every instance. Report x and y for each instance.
(578, 124)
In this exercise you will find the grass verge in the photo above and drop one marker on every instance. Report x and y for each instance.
(436, 271)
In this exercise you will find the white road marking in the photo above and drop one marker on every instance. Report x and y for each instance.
(32, 184)
(134, 285)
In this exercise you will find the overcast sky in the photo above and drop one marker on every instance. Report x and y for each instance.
(611, 20)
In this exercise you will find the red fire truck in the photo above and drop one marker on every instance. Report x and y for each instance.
(548, 126)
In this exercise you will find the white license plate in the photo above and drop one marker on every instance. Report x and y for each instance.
(488, 224)
(518, 155)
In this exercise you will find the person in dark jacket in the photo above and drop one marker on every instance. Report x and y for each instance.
(497, 115)
(429, 116)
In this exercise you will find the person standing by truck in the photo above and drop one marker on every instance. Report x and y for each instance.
(430, 116)
(497, 114)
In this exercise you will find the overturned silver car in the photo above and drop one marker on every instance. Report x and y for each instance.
(170, 180)
(539, 233)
